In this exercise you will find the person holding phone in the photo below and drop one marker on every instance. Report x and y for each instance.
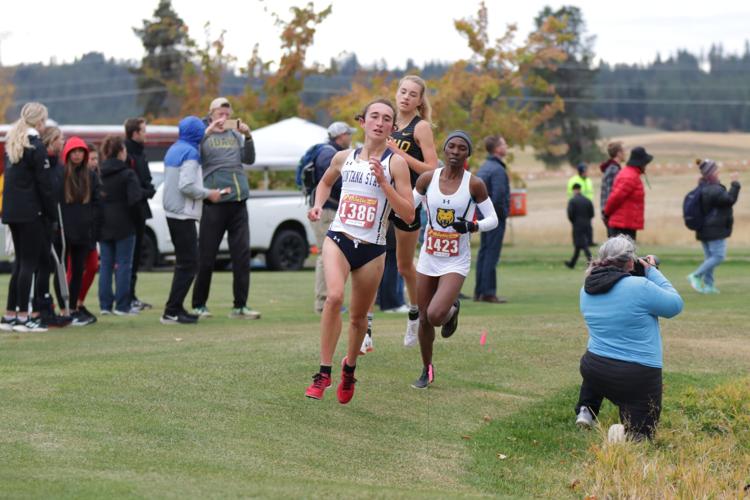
(226, 146)
(374, 181)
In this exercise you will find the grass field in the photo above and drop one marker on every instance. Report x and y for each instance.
(131, 408)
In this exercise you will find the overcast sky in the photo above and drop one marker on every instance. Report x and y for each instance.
(394, 30)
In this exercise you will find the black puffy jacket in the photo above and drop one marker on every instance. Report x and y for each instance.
(28, 192)
(120, 195)
(717, 203)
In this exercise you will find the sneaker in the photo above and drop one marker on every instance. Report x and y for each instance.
(202, 312)
(130, 312)
(345, 390)
(412, 333)
(710, 289)
(139, 305)
(366, 345)
(616, 433)
(585, 420)
(244, 313)
(449, 328)
(427, 377)
(190, 315)
(696, 283)
(7, 324)
(568, 264)
(321, 382)
(80, 318)
(57, 320)
(105, 312)
(402, 309)
(85, 312)
(178, 319)
(30, 325)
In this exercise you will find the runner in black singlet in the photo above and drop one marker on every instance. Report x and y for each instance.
(413, 141)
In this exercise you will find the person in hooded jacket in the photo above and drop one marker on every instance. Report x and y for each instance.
(80, 215)
(610, 169)
(716, 204)
(121, 194)
(623, 361)
(28, 208)
(580, 213)
(626, 205)
(183, 204)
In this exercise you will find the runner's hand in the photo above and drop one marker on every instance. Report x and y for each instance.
(314, 214)
(464, 226)
(377, 170)
(391, 143)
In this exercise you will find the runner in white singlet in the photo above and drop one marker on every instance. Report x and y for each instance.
(450, 196)
(374, 182)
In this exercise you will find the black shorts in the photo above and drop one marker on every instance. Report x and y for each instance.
(400, 224)
(357, 254)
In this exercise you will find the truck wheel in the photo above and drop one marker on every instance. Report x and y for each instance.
(149, 252)
(288, 251)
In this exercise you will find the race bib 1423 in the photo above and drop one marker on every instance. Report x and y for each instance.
(441, 244)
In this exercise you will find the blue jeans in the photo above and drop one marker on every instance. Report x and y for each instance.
(715, 252)
(489, 255)
(117, 256)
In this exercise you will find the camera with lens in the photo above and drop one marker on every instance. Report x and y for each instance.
(639, 270)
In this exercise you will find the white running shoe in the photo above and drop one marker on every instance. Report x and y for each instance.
(616, 433)
(366, 345)
(412, 333)
(585, 420)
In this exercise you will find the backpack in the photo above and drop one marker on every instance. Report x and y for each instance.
(692, 209)
(306, 178)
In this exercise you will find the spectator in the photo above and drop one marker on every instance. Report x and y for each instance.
(28, 208)
(340, 138)
(625, 206)
(135, 140)
(223, 152)
(183, 203)
(121, 193)
(91, 266)
(494, 174)
(80, 215)
(716, 204)
(581, 178)
(610, 169)
(623, 361)
(580, 213)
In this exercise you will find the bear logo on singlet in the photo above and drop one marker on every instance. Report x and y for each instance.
(445, 216)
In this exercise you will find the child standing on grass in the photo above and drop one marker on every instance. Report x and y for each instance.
(580, 213)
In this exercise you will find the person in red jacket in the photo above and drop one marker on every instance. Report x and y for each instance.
(623, 213)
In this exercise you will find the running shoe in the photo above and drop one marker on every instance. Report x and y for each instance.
(616, 433)
(244, 313)
(366, 345)
(710, 289)
(202, 312)
(696, 283)
(584, 420)
(345, 390)
(130, 312)
(56, 320)
(412, 333)
(30, 325)
(427, 377)
(105, 312)
(80, 318)
(178, 319)
(321, 382)
(7, 324)
(140, 305)
(449, 328)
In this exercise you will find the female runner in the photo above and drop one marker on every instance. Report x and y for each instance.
(413, 141)
(450, 195)
(373, 182)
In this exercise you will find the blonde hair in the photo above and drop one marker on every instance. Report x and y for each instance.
(424, 109)
(50, 134)
(32, 114)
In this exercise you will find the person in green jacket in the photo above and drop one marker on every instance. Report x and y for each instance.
(587, 187)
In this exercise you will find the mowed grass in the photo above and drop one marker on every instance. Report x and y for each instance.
(132, 408)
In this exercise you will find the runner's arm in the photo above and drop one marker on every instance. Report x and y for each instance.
(420, 190)
(400, 197)
(479, 192)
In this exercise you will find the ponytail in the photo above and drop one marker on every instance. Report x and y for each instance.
(32, 114)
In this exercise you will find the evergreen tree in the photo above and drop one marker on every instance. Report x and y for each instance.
(167, 45)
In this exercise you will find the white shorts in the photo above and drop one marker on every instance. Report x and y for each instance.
(431, 265)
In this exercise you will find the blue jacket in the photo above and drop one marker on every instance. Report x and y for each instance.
(322, 162)
(183, 178)
(493, 173)
(622, 316)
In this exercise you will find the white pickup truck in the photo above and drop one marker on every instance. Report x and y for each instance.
(279, 228)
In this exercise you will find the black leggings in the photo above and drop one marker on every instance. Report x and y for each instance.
(76, 255)
(635, 389)
(29, 242)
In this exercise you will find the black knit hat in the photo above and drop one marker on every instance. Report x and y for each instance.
(462, 135)
(639, 157)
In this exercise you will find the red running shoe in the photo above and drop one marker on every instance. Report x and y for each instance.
(345, 391)
(321, 382)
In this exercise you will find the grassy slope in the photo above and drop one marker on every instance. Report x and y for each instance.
(133, 408)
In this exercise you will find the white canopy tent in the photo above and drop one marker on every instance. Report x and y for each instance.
(280, 146)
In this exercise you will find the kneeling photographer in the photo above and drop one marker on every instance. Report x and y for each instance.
(623, 361)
